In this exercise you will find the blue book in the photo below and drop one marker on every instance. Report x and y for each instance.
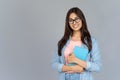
(80, 52)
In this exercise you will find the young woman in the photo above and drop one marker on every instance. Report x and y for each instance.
(76, 34)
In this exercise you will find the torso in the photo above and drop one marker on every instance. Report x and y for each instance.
(69, 48)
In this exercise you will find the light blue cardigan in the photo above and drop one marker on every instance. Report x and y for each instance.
(93, 62)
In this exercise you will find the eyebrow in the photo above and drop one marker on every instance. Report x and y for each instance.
(74, 18)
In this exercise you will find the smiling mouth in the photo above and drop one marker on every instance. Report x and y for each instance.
(75, 26)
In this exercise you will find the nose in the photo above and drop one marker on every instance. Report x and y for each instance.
(74, 22)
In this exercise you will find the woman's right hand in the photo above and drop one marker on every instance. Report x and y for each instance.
(77, 69)
(72, 69)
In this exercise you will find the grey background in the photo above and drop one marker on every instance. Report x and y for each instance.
(30, 29)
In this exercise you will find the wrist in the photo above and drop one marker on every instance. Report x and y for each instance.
(81, 63)
(70, 68)
(76, 60)
(66, 68)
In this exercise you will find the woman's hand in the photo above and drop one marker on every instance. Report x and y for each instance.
(71, 58)
(76, 69)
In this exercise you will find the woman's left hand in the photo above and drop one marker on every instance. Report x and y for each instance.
(71, 58)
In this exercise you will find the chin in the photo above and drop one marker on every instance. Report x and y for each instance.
(76, 29)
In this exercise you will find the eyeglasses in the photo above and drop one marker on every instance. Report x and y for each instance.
(71, 21)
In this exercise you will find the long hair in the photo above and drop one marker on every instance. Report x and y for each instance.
(85, 35)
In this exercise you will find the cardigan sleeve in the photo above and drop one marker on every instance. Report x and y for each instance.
(95, 63)
(56, 63)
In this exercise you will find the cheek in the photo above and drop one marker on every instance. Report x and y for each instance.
(80, 24)
(70, 25)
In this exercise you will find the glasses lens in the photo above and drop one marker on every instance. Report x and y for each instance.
(77, 19)
(72, 20)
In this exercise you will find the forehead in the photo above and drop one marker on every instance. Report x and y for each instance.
(73, 15)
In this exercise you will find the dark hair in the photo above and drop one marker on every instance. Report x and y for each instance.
(85, 35)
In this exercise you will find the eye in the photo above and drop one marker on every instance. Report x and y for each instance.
(77, 18)
(70, 20)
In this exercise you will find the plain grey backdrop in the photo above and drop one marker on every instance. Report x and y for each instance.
(30, 29)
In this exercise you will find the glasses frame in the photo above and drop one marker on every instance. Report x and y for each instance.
(77, 20)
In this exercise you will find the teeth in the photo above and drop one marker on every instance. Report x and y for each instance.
(75, 26)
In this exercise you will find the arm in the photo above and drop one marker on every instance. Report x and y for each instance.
(81, 63)
(72, 69)
(60, 67)
(66, 68)
(95, 63)
(72, 59)
(56, 64)
(77, 68)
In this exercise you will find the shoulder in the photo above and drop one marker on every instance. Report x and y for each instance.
(94, 40)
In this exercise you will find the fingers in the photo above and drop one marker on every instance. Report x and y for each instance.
(71, 58)
(69, 72)
(70, 54)
(77, 69)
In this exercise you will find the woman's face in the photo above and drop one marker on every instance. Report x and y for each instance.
(75, 22)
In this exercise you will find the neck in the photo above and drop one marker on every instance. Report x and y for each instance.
(76, 34)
